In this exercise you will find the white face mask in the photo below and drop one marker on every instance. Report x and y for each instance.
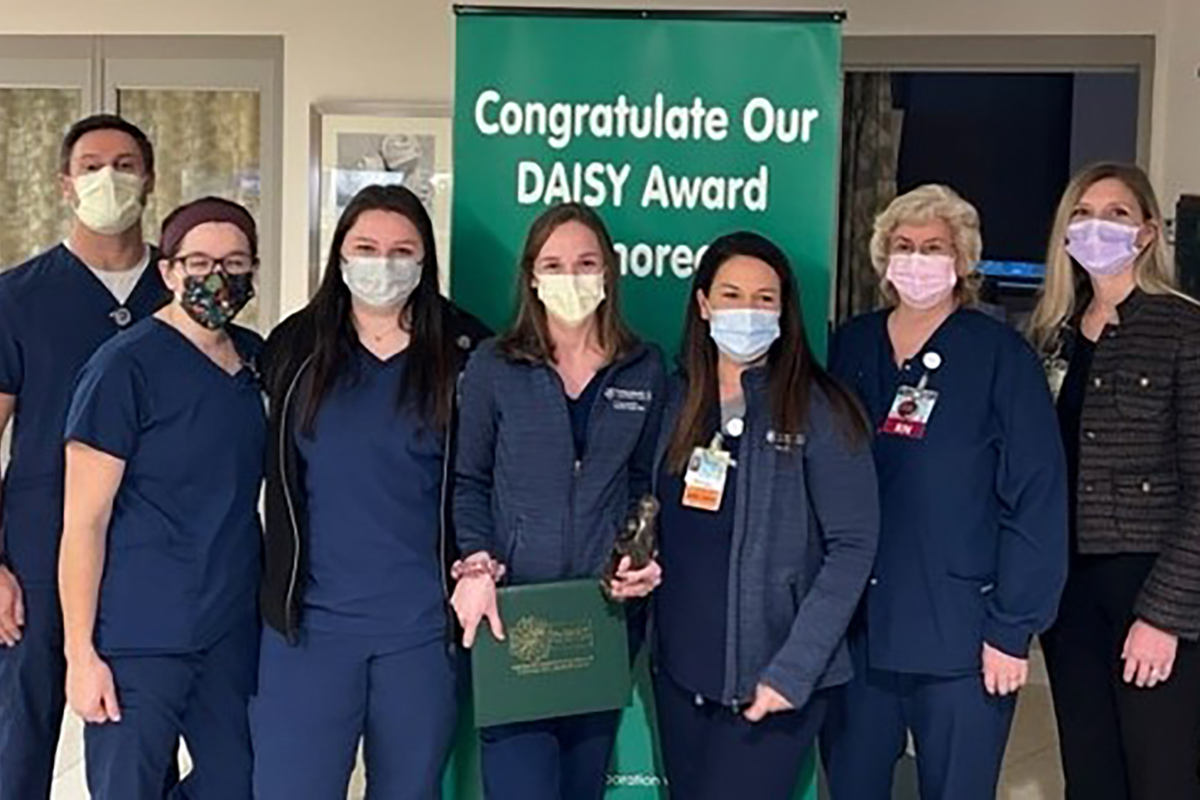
(744, 334)
(110, 202)
(381, 282)
(571, 298)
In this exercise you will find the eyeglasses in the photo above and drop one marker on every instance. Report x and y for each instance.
(201, 265)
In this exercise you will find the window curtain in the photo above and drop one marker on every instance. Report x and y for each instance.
(870, 155)
(33, 214)
(205, 143)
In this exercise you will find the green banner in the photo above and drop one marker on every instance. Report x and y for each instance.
(677, 128)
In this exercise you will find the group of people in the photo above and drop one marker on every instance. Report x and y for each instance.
(852, 555)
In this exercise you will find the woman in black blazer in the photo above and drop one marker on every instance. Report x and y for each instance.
(1122, 352)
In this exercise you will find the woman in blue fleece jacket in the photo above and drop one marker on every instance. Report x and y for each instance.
(557, 427)
(769, 524)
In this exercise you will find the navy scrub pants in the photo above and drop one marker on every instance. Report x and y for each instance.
(201, 697)
(317, 699)
(554, 759)
(32, 677)
(712, 753)
(960, 732)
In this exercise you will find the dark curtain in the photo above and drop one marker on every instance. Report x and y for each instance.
(870, 154)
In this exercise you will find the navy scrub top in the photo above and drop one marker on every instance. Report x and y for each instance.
(373, 473)
(184, 541)
(691, 609)
(54, 313)
(580, 410)
(972, 542)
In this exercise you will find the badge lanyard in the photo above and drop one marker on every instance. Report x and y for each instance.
(913, 405)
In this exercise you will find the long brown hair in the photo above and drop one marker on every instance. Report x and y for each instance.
(433, 358)
(792, 369)
(529, 337)
(1065, 281)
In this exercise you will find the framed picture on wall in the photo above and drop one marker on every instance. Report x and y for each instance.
(357, 144)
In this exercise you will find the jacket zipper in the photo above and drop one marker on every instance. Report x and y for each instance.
(287, 494)
(569, 554)
(284, 423)
(733, 676)
(442, 524)
(577, 462)
(576, 467)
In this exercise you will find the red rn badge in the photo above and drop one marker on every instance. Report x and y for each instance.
(910, 412)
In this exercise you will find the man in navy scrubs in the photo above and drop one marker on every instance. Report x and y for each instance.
(55, 310)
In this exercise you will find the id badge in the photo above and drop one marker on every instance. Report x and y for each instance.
(704, 482)
(1056, 373)
(910, 412)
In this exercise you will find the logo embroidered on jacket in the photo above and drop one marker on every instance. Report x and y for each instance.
(628, 399)
(785, 441)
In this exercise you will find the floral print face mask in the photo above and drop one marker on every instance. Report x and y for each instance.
(215, 299)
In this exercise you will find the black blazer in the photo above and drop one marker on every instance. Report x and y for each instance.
(285, 360)
(1139, 452)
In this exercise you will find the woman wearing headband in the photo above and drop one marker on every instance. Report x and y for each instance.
(161, 537)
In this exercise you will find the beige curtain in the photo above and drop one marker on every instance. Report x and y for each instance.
(205, 143)
(870, 155)
(33, 215)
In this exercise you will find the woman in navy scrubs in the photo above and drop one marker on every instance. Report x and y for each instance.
(361, 389)
(1122, 350)
(161, 536)
(558, 427)
(769, 526)
(973, 539)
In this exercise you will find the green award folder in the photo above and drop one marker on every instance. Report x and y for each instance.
(565, 652)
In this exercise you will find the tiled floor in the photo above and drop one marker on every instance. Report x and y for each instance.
(69, 781)
(1031, 768)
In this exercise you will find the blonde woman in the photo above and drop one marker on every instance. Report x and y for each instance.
(973, 545)
(1122, 349)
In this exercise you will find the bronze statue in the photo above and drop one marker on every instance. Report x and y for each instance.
(636, 539)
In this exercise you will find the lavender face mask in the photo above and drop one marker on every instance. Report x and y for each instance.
(1102, 247)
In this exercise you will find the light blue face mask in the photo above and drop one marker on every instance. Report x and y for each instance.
(744, 334)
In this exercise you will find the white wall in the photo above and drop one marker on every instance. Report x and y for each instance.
(403, 50)
(1177, 128)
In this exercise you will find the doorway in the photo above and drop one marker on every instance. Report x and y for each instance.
(1003, 120)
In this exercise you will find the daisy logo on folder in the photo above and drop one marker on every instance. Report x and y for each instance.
(567, 652)
(539, 646)
(529, 640)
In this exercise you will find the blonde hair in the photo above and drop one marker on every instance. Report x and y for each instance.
(1151, 271)
(926, 204)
